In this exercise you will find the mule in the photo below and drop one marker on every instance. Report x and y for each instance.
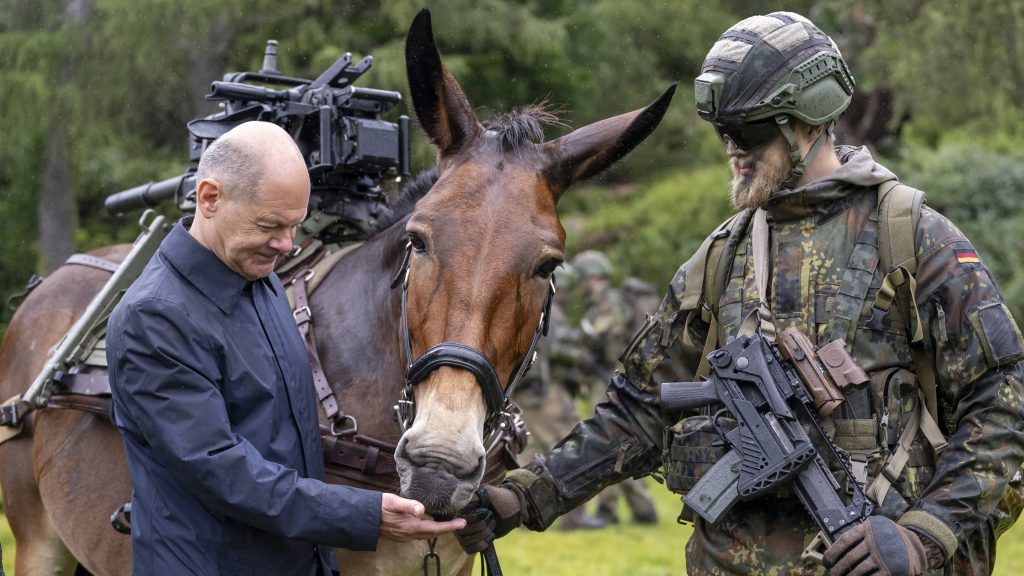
(477, 252)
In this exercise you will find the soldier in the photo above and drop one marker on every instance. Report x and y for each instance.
(547, 392)
(606, 327)
(772, 87)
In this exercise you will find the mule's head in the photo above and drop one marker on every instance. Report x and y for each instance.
(484, 243)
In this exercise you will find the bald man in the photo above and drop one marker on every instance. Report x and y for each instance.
(213, 391)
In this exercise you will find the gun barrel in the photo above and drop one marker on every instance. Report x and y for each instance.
(387, 96)
(146, 195)
(687, 395)
(240, 91)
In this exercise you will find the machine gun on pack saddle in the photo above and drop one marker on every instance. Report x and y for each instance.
(353, 155)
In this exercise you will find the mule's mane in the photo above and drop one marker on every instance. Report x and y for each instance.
(515, 129)
(523, 126)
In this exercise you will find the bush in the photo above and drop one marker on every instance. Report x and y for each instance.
(651, 230)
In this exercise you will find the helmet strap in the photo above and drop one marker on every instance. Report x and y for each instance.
(798, 164)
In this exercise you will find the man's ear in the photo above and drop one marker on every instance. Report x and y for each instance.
(209, 196)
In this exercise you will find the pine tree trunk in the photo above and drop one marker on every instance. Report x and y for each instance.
(57, 198)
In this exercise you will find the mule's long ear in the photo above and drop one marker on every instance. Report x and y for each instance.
(589, 150)
(441, 106)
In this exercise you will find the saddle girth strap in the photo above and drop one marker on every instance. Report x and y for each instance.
(304, 320)
(92, 262)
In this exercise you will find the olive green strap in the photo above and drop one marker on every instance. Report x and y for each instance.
(694, 292)
(761, 237)
(920, 420)
(696, 295)
(900, 213)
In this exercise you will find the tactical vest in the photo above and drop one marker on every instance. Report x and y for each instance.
(879, 427)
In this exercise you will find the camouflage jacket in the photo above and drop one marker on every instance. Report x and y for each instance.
(824, 277)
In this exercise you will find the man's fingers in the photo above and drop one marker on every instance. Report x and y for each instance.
(432, 528)
(399, 505)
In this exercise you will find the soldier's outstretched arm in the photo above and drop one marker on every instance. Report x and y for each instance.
(623, 438)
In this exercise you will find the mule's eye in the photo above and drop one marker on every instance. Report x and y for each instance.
(545, 270)
(417, 243)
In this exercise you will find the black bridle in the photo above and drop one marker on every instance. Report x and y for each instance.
(464, 357)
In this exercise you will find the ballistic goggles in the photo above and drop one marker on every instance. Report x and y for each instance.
(747, 135)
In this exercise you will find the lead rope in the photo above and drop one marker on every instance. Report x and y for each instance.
(489, 565)
(432, 556)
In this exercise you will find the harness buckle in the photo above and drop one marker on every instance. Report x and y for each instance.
(349, 431)
(302, 315)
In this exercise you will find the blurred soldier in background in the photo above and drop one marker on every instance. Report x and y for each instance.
(607, 326)
(547, 393)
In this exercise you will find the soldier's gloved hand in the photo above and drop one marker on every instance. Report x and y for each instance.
(881, 546)
(492, 512)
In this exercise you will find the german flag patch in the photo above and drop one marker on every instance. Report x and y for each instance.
(967, 256)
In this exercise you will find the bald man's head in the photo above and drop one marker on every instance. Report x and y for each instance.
(240, 158)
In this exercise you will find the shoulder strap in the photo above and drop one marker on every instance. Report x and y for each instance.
(711, 264)
(899, 212)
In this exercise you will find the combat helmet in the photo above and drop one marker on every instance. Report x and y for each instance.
(566, 277)
(592, 264)
(767, 68)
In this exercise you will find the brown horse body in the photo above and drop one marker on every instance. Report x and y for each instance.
(484, 243)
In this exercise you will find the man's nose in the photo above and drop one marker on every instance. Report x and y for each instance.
(730, 147)
(282, 242)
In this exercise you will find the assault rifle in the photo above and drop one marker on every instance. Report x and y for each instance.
(349, 149)
(765, 389)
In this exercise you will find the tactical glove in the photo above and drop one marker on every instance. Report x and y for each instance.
(881, 546)
(492, 512)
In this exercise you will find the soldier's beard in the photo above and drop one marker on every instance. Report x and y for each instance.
(758, 174)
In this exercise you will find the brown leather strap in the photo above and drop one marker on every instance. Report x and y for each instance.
(304, 320)
(92, 262)
(100, 405)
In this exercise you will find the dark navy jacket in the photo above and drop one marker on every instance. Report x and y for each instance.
(214, 397)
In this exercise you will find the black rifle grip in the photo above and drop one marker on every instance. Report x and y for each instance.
(676, 396)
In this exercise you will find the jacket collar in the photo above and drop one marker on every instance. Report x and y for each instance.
(203, 269)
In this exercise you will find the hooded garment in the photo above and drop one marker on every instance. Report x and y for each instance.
(823, 277)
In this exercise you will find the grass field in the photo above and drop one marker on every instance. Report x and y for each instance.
(620, 550)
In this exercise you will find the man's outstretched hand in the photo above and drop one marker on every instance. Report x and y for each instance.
(493, 512)
(403, 520)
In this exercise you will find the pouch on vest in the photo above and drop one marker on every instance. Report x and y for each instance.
(691, 448)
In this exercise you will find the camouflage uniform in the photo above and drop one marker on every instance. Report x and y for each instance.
(824, 277)
(606, 328)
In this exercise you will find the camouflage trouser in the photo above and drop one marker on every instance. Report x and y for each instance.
(767, 535)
